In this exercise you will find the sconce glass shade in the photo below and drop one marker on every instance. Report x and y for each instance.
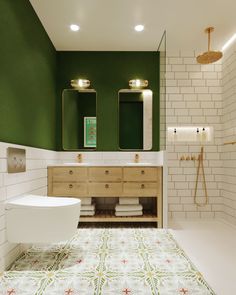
(80, 83)
(138, 83)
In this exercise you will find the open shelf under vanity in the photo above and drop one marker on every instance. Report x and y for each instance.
(109, 216)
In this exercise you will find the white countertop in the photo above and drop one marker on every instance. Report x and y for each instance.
(141, 164)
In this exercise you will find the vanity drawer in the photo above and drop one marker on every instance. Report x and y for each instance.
(140, 189)
(140, 174)
(69, 189)
(69, 174)
(105, 174)
(105, 189)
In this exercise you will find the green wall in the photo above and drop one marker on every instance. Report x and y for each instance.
(33, 75)
(109, 72)
(27, 78)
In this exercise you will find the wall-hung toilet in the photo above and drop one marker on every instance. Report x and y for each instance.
(38, 219)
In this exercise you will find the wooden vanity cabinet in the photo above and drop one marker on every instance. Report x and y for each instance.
(109, 181)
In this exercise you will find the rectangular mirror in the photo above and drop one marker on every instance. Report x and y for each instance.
(135, 119)
(79, 119)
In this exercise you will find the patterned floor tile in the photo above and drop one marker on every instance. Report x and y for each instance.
(106, 262)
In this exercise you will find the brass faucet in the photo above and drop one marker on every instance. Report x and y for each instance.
(136, 158)
(79, 157)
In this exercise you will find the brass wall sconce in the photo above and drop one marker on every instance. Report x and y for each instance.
(80, 84)
(138, 83)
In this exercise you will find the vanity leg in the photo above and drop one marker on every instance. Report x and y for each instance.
(159, 198)
(159, 211)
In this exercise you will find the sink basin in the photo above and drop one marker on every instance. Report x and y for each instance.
(139, 164)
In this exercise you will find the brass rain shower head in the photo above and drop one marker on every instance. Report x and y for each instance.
(209, 56)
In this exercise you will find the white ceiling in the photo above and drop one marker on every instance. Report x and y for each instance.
(108, 24)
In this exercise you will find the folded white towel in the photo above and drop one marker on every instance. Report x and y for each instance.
(87, 213)
(86, 201)
(87, 207)
(129, 213)
(129, 207)
(129, 201)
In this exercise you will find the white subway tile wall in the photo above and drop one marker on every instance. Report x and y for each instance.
(33, 181)
(193, 99)
(228, 154)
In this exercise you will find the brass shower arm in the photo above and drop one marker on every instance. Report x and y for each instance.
(209, 31)
(209, 40)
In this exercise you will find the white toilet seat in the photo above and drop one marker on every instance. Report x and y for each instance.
(40, 202)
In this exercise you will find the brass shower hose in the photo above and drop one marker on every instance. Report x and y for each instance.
(200, 164)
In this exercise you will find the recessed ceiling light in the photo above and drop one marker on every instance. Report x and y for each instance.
(229, 42)
(74, 28)
(139, 28)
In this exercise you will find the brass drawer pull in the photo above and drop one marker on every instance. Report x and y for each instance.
(106, 185)
(70, 172)
(70, 185)
(142, 186)
(107, 172)
(142, 172)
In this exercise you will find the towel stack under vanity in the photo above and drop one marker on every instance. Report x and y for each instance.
(87, 208)
(129, 207)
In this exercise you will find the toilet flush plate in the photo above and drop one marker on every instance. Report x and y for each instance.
(16, 160)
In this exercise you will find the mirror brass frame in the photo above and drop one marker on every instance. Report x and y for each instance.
(63, 120)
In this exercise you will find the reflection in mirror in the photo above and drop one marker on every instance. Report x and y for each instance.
(135, 119)
(79, 119)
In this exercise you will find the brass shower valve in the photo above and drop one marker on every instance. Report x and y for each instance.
(188, 158)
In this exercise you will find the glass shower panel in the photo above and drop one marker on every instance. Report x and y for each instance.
(162, 50)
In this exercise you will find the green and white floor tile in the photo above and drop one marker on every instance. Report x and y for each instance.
(106, 262)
